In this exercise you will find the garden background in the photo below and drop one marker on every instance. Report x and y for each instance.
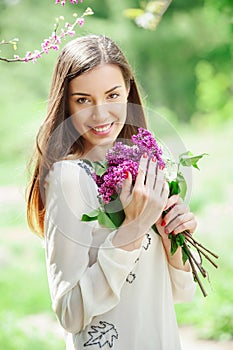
(185, 72)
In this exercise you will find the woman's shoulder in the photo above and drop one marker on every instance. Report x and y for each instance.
(67, 170)
(67, 165)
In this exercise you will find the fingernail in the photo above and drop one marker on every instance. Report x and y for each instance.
(161, 166)
(145, 155)
(126, 174)
(163, 223)
(154, 159)
(166, 231)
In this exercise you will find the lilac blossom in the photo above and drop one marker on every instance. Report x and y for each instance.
(147, 143)
(121, 152)
(122, 159)
(112, 180)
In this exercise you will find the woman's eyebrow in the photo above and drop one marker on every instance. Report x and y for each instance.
(85, 94)
(80, 93)
(115, 87)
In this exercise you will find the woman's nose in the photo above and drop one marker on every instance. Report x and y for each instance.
(99, 112)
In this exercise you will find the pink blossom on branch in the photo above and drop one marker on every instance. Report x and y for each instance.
(64, 2)
(53, 42)
(80, 21)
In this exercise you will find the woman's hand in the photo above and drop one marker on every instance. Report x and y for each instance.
(178, 219)
(143, 204)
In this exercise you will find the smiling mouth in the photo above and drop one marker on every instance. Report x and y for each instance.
(102, 128)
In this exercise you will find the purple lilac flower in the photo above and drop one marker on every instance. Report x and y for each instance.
(147, 143)
(114, 177)
(120, 152)
(122, 158)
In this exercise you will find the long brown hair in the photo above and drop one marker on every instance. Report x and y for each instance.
(78, 56)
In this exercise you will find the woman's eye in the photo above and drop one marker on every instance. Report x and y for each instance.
(113, 95)
(82, 100)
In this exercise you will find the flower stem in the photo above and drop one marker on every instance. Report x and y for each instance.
(200, 267)
(197, 277)
(187, 234)
(199, 247)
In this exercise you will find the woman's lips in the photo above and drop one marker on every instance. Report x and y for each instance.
(102, 129)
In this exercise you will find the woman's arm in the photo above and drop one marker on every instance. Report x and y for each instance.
(79, 290)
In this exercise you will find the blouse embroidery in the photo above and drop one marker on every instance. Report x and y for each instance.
(84, 165)
(131, 277)
(103, 335)
(148, 242)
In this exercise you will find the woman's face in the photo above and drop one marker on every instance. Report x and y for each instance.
(97, 102)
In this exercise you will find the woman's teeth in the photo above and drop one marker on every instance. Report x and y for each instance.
(104, 128)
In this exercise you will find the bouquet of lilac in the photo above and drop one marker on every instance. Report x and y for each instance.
(110, 174)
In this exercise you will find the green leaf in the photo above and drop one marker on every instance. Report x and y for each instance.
(110, 220)
(185, 255)
(155, 229)
(174, 188)
(99, 167)
(104, 220)
(117, 218)
(93, 215)
(174, 245)
(176, 241)
(180, 239)
(188, 159)
(115, 211)
(182, 184)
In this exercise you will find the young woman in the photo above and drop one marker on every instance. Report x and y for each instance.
(109, 289)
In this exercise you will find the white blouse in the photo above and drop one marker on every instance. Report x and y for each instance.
(106, 297)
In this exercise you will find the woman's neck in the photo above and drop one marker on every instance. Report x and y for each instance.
(97, 153)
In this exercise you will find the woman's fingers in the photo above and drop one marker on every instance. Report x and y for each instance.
(150, 182)
(175, 211)
(160, 181)
(151, 173)
(146, 201)
(181, 223)
(150, 176)
(126, 189)
(175, 199)
(188, 225)
(165, 190)
(155, 179)
(142, 170)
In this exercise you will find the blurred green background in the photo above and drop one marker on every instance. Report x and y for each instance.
(184, 68)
